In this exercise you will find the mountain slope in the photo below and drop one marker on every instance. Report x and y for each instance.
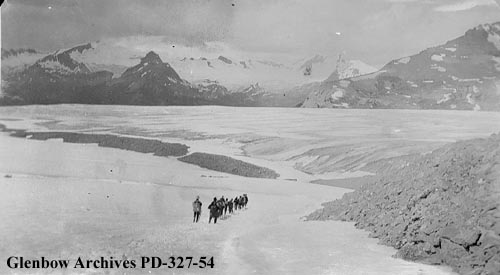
(55, 78)
(463, 73)
(152, 82)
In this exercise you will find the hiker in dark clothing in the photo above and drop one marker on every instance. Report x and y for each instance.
(214, 211)
(196, 209)
(245, 200)
(236, 203)
(230, 206)
(226, 206)
(221, 204)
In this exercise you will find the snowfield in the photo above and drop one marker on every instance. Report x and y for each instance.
(62, 200)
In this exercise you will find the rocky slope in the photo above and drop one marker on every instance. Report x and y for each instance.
(439, 208)
(463, 73)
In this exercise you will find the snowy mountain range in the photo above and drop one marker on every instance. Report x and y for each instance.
(61, 78)
(219, 79)
(213, 61)
(463, 73)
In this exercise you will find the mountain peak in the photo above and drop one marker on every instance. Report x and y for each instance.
(349, 68)
(152, 58)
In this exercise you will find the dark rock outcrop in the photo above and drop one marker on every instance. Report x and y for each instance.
(439, 208)
(225, 60)
(229, 165)
(141, 145)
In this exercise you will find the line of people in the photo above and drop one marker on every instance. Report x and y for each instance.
(219, 207)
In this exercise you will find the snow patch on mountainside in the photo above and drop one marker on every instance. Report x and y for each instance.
(438, 68)
(438, 57)
(337, 95)
(346, 69)
(497, 63)
(404, 60)
(54, 66)
(446, 97)
(493, 31)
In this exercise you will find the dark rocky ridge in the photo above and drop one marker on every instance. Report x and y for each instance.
(229, 165)
(141, 145)
(158, 148)
(439, 208)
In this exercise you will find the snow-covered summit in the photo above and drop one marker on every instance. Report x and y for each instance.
(349, 68)
(463, 73)
(151, 58)
(61, 61)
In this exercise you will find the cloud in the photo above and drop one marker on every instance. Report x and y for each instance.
(465, 5)
(374, 31)
(30, 23)
(401, 1)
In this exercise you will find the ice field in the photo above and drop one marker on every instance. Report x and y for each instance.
(64, 200)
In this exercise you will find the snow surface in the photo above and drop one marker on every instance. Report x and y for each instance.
(78, 202)
(438, 57)
(67, 200)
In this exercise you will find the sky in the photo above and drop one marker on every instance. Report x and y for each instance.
(374, 31)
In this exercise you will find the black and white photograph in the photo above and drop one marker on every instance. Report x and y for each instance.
(322, 137)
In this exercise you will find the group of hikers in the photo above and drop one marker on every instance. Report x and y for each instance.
(220, 207)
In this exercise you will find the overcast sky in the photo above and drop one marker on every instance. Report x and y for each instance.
(374, 31)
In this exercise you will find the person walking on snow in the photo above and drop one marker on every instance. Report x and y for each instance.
(236, 203)
(214, 211)
(220, 205)
(231, 206)
(197, 209)
(226, 206)
(245, 200)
